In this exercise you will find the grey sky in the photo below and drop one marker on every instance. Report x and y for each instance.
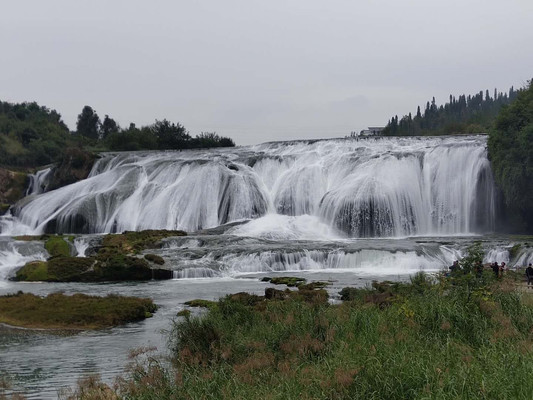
(260, 70)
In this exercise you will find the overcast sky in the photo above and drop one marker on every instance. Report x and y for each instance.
(260, 70)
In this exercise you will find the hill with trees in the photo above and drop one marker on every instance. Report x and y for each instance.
(464, 114)
(31, 135)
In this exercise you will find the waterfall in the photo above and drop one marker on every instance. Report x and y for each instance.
(39, 181)
(384, 187)
(14, 254)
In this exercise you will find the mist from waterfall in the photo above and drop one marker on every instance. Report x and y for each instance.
(375, 187)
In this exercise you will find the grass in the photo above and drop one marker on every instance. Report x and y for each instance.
(79, 311)
(457, 337)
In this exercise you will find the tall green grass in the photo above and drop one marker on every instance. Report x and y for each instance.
(458, 337)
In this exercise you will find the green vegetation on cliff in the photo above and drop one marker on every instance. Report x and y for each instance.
(511, 154)
(79, 311)
(31, 135)
(465, 114)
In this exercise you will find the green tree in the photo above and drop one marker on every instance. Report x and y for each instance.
(109, 126)
(88, 124)
(511, 153)
(170, 135)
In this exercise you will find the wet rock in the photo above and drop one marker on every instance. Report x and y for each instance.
(75, 165)
(155, 259)
(12, 188)
(275, 294)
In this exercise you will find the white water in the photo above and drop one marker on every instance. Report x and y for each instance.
(81, 244)
(386, 187)
(39, 181)
(14, 254)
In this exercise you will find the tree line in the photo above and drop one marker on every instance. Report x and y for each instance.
(463, 114)
(161, 135)
(32, 135)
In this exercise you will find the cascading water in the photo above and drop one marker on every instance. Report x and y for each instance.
(14, 254)
(39, 181)
(379, 187)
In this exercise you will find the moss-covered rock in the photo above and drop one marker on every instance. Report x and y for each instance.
(201, 303)
(313, 285)
(246, 299)
(70, 269)
(114, 260)
(130, 242)
(90, 269)
(57, 246)
(290, 281)
(120, 267)
(275, 294)
(33, 271)
(155, 259)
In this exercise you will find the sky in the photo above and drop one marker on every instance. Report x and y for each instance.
(260, 71)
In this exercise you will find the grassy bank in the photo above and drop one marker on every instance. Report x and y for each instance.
(79, 311)
(463, 336)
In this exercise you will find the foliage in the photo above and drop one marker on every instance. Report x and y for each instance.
(211, 139)
(88, 124)
(78, 311)
(109, 126)
(30, 135)
(33, 135)
(511, 154)
(465, 114)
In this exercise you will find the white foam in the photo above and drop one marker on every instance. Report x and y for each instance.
(284, 227)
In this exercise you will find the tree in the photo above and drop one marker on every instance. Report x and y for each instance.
(109, 126)
(170, 135)
(511, 153)
(88, 124)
